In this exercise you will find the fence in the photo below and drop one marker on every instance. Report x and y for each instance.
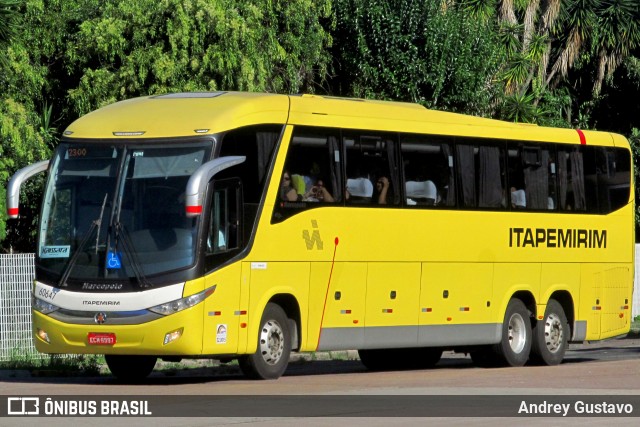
(16, 279)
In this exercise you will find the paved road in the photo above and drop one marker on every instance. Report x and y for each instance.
(602, 370)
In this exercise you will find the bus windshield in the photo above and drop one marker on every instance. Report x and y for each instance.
(118, 212)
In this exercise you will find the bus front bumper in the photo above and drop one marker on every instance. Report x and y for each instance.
(179, 334)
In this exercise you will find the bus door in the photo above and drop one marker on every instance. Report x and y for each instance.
(223, 240)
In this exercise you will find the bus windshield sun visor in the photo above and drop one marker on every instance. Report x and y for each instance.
(197, 184)
(13, 189)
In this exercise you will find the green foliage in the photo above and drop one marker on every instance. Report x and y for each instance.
(69, 57)
(22, 144)
(517, 60)
(9, 18)
(146, 47)
(54, 364)
(519, 108)
(423, 52)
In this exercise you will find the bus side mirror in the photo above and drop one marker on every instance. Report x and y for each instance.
(197, 185)
(13, 189)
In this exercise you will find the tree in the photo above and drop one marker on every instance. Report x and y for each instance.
(148, 47)
(22, 144)
(68, 58)
(546, 40)
(634, 141)
(9, 17)
(427, 52)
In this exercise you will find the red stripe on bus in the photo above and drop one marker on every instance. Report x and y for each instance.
(326, 295)
(583, 139)
(194, 209)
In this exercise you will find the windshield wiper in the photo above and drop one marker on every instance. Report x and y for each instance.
(98, 222)
(131, 254)
(95, 224)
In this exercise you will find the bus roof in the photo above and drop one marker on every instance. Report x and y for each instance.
(180, 114)
(201, 113)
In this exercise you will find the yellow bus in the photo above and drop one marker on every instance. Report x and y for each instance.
(246, 226)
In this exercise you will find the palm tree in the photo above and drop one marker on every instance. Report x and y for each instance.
(9, 14)
(606, 30)
(8, 19)
(544, 39)
(578, 19)
(618, 34)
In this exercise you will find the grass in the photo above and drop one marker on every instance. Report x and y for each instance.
(53, 365)
(634, 332)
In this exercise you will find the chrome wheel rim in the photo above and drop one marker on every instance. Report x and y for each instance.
(271, 342)
(517, 333)
(553, 333)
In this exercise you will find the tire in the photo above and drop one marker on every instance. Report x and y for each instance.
(130, 368)
(550, 336)
(515, 345)
(274, 346)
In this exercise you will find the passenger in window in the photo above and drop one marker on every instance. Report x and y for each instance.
(518, 198)
(287, 192)
(382, 189)
(318, 193)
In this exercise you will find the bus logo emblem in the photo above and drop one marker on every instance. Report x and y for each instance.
(312, 238)
(100, 318)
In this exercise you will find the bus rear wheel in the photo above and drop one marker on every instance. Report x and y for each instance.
(130, 368)
(274, 346)
(550, 336)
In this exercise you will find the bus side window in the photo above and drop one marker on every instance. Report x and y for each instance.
(428, 171)
(223, 232)
(313, 165)
(371, 176)
(481, 173)
(571, 179)
(614, 169)
(538, 169)
(218, 223)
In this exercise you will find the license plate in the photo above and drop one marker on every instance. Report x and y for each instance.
(95, 338)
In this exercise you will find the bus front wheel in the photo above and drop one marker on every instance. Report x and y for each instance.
(515, 345)
(274, 346)
(130, 368)
(550, 336)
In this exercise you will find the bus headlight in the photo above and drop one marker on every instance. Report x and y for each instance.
(42, 306)
(172, 307)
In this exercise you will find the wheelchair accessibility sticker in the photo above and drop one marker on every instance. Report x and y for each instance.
(114, 260)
